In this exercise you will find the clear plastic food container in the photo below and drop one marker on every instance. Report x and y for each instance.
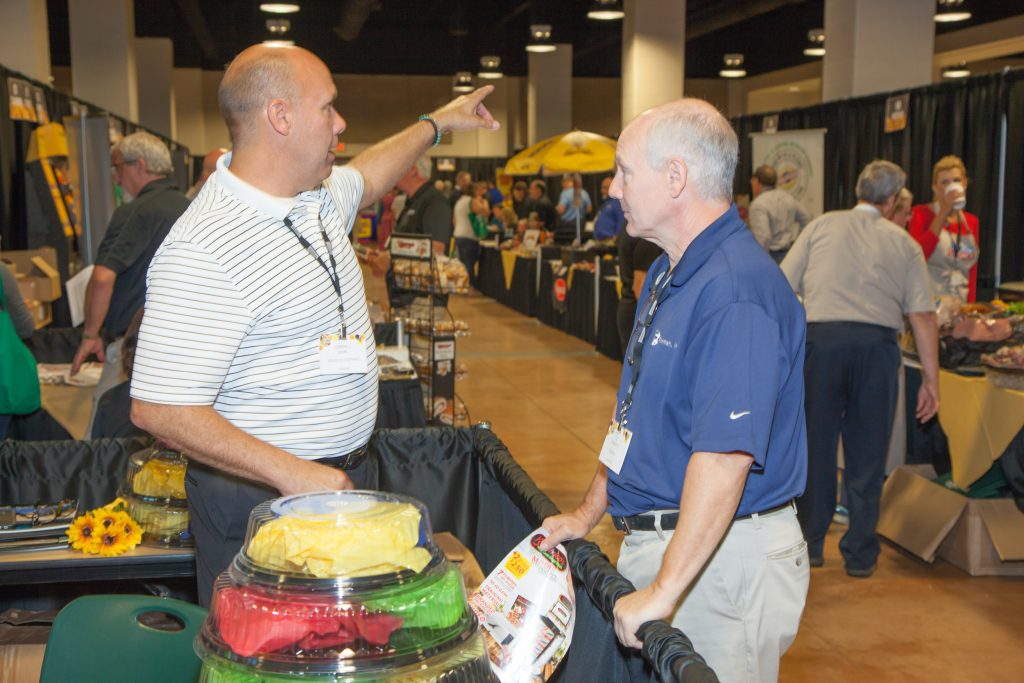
(154, 488)
(346, 585)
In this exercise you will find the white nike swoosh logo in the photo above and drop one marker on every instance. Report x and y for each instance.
(735, 416)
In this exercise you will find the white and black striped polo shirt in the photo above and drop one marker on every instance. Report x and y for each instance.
(235, 307)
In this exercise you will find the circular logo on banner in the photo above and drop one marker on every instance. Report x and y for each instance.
(793, 167)
(560, 289)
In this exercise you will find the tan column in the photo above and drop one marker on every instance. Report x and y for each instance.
(549, 94)
(189, 117)
(25, 38)
(103, 54)
(155, 63)
(653, 54)
(876, 46)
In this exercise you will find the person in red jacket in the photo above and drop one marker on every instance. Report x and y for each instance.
(948, 234)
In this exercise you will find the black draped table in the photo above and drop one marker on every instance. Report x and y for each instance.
(579, 299)
(608, 342)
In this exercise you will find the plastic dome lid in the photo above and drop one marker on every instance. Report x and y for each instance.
(157, 475)
(339, 535)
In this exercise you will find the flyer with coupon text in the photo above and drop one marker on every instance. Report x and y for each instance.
(527, 609)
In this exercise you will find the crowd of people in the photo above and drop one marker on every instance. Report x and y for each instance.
(720, 463)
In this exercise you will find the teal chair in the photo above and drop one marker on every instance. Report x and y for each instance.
(99, 639)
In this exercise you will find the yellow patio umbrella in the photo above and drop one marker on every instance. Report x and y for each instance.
(575, 152)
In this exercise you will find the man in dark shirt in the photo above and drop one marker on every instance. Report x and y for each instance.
(117, 288)
(635, 258)
(520, 202)
(541, 204)
(426, 212)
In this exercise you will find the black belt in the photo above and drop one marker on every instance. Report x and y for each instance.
(349, 461)
(646, 521)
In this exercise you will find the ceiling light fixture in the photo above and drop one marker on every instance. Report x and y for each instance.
(950, 11)
(490, 67)
(733, 63)
(278, 43)
(956, 71)
(817, 38)
(279, 7)
(606, 10)
(278, 26)
(463, 82)
(540, 39)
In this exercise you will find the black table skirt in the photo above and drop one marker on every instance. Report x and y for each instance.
(522, 295)
(546, 312)
(579, 318)
(608, 342)
(490, 279)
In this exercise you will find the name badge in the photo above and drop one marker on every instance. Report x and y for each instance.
(616, 443)
(342, 356)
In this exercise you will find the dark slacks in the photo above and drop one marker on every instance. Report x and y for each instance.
(219, 505)
(469, 253)
(850, 390)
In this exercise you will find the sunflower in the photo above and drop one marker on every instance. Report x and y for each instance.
(105, 519)
(132, 531)
(112, 541)
(84, 534)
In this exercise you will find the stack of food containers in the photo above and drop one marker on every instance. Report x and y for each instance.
(154, 489)
(344, 586)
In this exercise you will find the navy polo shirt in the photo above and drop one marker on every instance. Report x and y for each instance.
(722, 371)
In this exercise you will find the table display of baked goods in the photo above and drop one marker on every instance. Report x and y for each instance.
(422, 325)
(1005, 367)
(341, 586)
(968, 331)
(154, 489)
(439, 275)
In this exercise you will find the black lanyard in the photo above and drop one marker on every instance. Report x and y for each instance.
(332, 272)
(658, 293)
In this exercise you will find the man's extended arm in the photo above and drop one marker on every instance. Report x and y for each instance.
(203, 434)
(383, 164)
(926, 337)
(97, 303)
(711, 493)
(758, 220)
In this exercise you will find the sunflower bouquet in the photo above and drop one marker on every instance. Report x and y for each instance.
(107, 530)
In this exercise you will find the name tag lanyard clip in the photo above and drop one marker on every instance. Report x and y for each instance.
(332, 272)
(658, 293)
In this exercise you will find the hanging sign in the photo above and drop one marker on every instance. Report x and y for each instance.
(770, 123)
(896, 108)
(39, 98)
(20, 105)
(798, 157)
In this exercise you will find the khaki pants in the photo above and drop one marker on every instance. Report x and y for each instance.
(743, 611)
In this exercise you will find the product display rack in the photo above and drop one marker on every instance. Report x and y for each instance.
(432, 352)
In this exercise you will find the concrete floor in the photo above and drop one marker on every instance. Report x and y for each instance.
(549, 396)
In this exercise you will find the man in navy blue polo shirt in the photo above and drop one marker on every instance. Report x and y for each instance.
(707, 448)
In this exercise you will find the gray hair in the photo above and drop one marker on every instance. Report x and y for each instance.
(697, 133)
(246, 88)
(148, 148)
(879, 181)
(424, 166)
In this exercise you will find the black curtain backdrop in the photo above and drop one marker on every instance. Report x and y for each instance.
(961, 118)
(16, 215)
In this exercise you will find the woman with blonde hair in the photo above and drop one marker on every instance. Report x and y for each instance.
(902, 208)
(948, 234)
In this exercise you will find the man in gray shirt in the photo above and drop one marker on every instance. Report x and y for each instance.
(775, 216)
(858, 274)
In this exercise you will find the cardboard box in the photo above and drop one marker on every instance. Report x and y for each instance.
(21, 663)
(36, 272)
(984, 537)
(461, 556)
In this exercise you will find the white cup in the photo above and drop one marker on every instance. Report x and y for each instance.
(957, 187)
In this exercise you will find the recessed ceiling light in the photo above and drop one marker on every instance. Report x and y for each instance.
(540, 39)
(279, 26)
(814, 51)
(279, 7)
(606, 10)
(793, 88)
(463, 82)
(733, 62)
(490, 67)
(957, 71)
(278, 43)
(951, 11)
